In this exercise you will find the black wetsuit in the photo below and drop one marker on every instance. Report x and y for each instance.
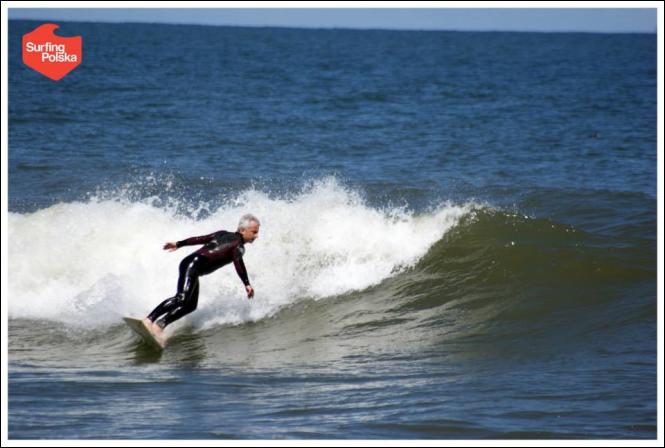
(221, 248)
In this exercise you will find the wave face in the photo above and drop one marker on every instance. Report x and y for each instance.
(330, 268)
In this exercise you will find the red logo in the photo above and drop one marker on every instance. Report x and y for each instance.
(52, 56)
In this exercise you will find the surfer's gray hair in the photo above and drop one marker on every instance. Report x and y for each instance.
(246, 220)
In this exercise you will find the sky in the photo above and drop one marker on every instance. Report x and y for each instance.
(459, 19)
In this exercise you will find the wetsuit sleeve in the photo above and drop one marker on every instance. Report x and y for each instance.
(193, 241)
(240, 267)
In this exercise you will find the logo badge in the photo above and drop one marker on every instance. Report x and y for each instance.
(52, 56)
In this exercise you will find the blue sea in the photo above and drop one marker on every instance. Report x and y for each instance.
(458, 234)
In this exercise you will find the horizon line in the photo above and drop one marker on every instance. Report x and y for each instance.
(331, 28)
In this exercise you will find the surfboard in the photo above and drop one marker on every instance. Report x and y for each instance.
(137, 326)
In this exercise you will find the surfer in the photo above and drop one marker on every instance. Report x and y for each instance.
(220, 248)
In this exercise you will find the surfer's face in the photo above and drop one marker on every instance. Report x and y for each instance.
(250, 233)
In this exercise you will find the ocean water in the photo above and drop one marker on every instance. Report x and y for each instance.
(458, 234)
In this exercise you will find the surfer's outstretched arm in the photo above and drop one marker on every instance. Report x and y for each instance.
(196, 240)
(175, 245)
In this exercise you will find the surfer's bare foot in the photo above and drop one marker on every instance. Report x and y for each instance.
(147, 323)
(155, 330)
(158, 332)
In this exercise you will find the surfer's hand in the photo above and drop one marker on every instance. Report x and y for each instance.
(250, 291)
(170, 246)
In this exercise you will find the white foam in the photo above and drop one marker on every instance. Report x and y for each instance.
(88, 264)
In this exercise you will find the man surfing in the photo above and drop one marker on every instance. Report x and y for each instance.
(220, 248)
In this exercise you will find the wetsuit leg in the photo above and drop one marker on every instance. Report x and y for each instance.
(186, 299)
(184, 307)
